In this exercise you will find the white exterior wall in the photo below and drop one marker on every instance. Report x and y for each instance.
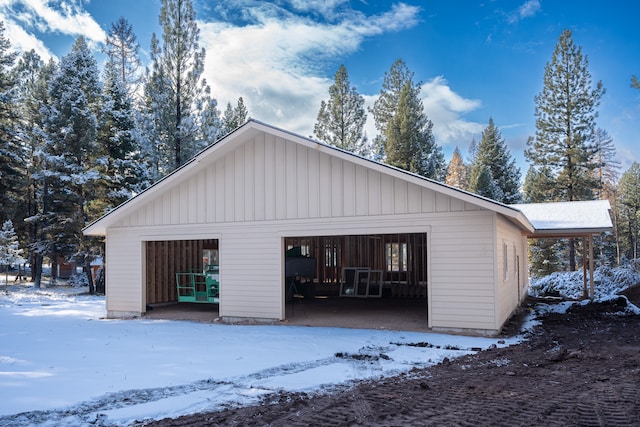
(462, 286)
(267, 188)
(124, 291)
(512, 280)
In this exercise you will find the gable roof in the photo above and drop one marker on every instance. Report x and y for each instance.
(566, 219)
(254, 127)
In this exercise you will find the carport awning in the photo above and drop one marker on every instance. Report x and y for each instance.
(567, 219)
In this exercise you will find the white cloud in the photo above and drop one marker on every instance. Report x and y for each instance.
(275, 62)
(526, 10)
(66, 18)
(25, 18)
(22, 41)
(446, 110)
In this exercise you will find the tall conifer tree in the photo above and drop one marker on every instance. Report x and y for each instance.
(10, 152)
(386, 106)
(122, 49)
(71, 125)
(409, 140)
(501, 180)
(457, 171)
(341, 119)
(565, 121)
(629, 206)
(177, 102)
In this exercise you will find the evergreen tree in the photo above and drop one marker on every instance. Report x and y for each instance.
(544, 254)
(629, 205)
(483, 184)
(10, 152)
(457, 172)
(34, 77)
(10, 252)
(341, 119)
(122, 49)
(565, 119)
(492, 155)
(635, 83)
(386, 106)
(539, 185)
(175, 88)
(233, 118)
(118, 162)
(606, 169)
(409, 140)
(70, 152)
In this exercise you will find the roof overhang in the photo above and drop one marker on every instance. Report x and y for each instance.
(567, 219)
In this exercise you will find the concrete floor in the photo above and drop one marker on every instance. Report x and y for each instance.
(360, 313)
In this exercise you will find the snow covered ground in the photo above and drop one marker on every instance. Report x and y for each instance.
(62, 363)
(608, 281)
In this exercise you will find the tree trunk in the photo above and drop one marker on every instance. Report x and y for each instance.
(572, 255)
(37, 271)
(87, 270)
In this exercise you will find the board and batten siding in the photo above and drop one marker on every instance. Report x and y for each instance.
(269, 178)
(512, 265)
(124, 290)
(267, 188)
(461, 291)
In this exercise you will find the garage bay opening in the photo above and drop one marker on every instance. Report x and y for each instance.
(182, 271)
(379, 275)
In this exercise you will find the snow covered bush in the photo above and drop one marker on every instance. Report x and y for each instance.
(608, 281)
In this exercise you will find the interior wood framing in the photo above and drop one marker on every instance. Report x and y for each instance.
(166, 258)
(333, 253)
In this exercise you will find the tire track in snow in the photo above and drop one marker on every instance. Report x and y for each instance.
(91, 412)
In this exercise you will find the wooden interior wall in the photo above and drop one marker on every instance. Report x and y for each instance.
(368, 251)
(165, 259)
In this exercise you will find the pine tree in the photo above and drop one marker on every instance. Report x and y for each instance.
(10, 252)
(70, 152)
(233, 118)
(565, 119)
(34, 77)
(483, 184)
(629, 205)
(606, 169)
(544, 254)
(10, 151)
(386, 106)
(122, 49)
(492, 155)
(409, 140)
(118, 163)
(341, 119)
(539, 185)
(175, 88)
(457, 172)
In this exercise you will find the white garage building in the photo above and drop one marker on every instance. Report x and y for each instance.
(261, 196)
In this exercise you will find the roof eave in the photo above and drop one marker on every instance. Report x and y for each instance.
(568, 232)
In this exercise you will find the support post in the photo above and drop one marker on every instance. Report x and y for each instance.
(585, 291)
(592, 283)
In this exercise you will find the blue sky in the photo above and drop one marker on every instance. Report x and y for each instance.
(475, 59)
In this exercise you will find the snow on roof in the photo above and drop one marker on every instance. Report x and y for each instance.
(568, 217)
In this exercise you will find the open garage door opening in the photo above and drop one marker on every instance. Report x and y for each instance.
(375, 280)
(181, 271)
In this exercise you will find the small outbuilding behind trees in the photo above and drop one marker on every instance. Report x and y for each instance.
(262, 193)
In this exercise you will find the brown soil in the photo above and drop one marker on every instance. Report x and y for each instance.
(581, 368)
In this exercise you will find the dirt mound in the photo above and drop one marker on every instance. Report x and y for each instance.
(633, 294)
(580, 368)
